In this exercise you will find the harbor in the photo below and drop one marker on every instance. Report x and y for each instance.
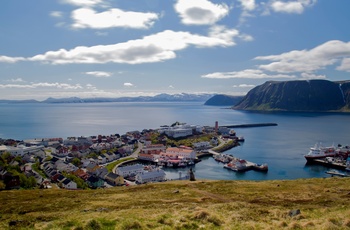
(336, 158)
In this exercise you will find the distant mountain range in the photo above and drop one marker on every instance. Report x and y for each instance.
(158, 98)
(307, 95)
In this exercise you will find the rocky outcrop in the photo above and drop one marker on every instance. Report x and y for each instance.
(223, 100)
(307, 95)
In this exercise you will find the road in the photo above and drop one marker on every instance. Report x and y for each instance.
(134, 155)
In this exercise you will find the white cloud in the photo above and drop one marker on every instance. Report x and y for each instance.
(16, 80)
(88, 3)
(345, 65)
(291, 7)
(99, 74)
(56, 14)
(243, 86)
(90, 87)
(7, 59)
(128, 84)
(248, 5)
(171, 87)
(308, 76)
(200, 12)
(247, 74)
(154, 48)
(246, 37)
(89, 18)
(42, 85)
(317, 58)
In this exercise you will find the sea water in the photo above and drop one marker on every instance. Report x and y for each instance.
(282, 147)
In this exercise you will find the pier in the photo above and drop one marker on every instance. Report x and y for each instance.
(249, 125)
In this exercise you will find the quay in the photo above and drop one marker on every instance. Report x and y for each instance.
(249, 125)
(326, 163)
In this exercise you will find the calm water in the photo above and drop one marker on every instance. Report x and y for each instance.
(282, 146)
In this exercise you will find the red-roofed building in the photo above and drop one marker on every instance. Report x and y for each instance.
(179, 153)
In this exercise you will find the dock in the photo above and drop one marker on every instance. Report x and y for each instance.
(326, 163)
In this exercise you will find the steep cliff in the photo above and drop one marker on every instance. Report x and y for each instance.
(223, 100)
(311, 95)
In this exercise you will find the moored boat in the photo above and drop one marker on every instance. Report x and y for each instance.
(238, 165)
(318, 152)
(334, 172)
(261, 167)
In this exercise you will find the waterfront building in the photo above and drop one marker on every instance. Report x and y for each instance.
(130, 170)
(147, 157)
(181, 130)
(151, 176)
(153, 149)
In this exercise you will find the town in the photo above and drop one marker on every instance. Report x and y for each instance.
(104, 161)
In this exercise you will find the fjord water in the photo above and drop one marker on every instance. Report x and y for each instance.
(282, 147)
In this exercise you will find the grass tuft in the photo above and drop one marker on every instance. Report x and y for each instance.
(131, 225)
(93, 225)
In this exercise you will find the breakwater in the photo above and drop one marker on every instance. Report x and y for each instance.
(250, 125)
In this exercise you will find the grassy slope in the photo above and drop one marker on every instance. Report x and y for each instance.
(324, 204)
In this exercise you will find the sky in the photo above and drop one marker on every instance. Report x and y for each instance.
(116, 48)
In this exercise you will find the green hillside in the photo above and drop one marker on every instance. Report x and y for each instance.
(323, 204)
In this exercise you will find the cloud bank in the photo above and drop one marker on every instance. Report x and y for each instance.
(154, 48)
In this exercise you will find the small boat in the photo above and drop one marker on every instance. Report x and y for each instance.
(237, 166)
(190, 163)
(261, 167)
(334, 172)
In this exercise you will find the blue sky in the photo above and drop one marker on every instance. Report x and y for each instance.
(102, 48)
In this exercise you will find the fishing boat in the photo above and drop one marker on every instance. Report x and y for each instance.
(237, 165)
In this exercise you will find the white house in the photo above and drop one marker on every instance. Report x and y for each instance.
(102, 159)
(202, 145)
(152, 176)
(20, 150)
(129, 170)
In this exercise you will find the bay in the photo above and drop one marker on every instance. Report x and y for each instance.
(282, 147)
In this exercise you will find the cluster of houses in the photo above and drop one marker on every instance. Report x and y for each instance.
(91, 169)
(94, 175)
